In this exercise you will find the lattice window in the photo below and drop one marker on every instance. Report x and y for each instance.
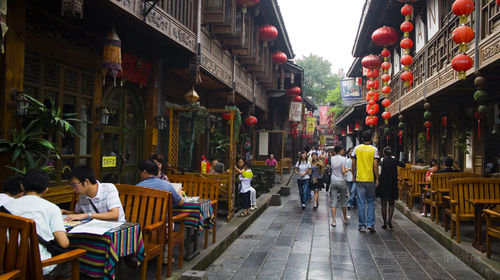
(51, 75)
(87, 86)
(32, 69)
(70, 80)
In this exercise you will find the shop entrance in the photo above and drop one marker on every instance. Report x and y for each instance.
(122, 141)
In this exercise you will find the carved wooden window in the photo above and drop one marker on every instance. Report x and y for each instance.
(213, 11)
(72, 90)
(490, 17)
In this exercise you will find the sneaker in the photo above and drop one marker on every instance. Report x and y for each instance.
(303, 206)
(333, 224)
(315, 207)
(347, 219)
(361, 229)
(370, 228)
(253, 208)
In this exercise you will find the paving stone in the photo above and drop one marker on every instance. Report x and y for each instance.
(279, 253)
(319, 270)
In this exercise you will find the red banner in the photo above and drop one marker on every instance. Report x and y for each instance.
(323, 115)
(135, 70)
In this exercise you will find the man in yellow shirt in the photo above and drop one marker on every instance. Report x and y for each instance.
(365, 172)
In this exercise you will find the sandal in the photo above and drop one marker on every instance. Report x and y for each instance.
(242, 215)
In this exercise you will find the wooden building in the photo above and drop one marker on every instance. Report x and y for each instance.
(455, 129)
(54, 51)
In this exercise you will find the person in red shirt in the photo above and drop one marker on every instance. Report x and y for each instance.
(271, 160)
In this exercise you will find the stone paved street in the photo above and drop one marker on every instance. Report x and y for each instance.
(287, 242)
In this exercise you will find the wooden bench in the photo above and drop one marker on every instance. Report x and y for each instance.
(152, 210)
(466, 188)
(403, 177)
(205, 188)
(491, 229)
(414, 186)
(439, 186)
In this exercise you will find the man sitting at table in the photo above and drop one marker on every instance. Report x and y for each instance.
(96, 200)
(450, 164)
(47, 217)
(148, 172)
(12, 188)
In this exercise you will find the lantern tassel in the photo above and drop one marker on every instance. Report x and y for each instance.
(427, 134)
(400, 140)
(479, 129)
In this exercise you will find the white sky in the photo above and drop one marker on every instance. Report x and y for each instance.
(323, 27)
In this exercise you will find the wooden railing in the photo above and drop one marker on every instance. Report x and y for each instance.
(182, 10)
(490, 17)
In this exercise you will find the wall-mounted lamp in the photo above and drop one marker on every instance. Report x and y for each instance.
(161, 124)
(22, 103)
(103, 114)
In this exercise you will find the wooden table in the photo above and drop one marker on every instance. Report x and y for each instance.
(104, 251)
(201, 216)
(479, 205)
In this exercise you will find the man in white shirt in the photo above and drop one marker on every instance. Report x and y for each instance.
(47, 217)
(12, 189)
(96, 200)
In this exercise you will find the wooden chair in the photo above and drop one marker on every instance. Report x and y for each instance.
(439, 186)
(403, 173)
(414, 187)
(23, 252)
(204, 187)
(286, 163)
(466, 188)
(152, 210)
(60, 195)
(491, 230)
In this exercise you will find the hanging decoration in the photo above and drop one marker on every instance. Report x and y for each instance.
(384, 37)
(244, 4)
(293, 91)
(356, 125)
(251, 120)
(462, 35)
(480, 96)
(372, 62)
(401, 128)
(279, 58)
(72, 8)
(267, 33)
(297, 98)
(427, 117)
(135, 70)
(294, 132)
(111, 56)
(343, 132)
(227, 116)
(406, 43)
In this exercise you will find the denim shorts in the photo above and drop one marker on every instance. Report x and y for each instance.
(338, 193)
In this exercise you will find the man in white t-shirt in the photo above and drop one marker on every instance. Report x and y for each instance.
(12, 188)
(47, 217)
(96, 200)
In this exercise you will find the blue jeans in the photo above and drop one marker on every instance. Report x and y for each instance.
(366, 196)
(303, 189)
(353, 191)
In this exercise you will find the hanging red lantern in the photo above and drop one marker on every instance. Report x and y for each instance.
(406, 43)
(386, 78)
(375, 96)
(462, 8)
(369, 84)
(343, 132)
(498, 2)
(407, 11)
(371, 102)
(267, 33)
(444, 119)
(244, 4)
(374, 120)
(279, 57)
(385, 36)
(368, 121)
(461, 63)
(462, 34)
(428, 125)
(376, 84)
(293, 91)
(356, 123)
(386, 90)
(386, 102)
(375, 108)
(407, 60)
(297, 98)
(400, 134)
(251, 120)
(386, 115)
(294, 124)
(227, 116)
(360, 81)
(372, 73)
(406, 27)
(371, 61)
(386, 65)
(385, 53)
(407, 77)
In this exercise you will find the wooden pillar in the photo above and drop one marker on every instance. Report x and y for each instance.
(95, 160)
(151, 111)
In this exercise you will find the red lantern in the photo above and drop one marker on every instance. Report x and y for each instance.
(227, 116)
(372, 73)
(498, 2)
(369, 84)
(406, 43)
(385, 53)
(462, 34)
(294, 124)
(462, 7)
(368, 121)
(375, 96)
(428, 125)
(407, 60)
(386, 78)
(461, 63)
(444, 119)
(406, 27)
(251, 120)
(360, 81)
(386, 115)
(374, 120)
(376, 84)
(297, 98)
(407, 10)
(400, 134)
(267, 33)
(375, 108)
(407, 77)
(371, 61)
(386, 90)
(293, 91)
(371, 102)
(385, 36)
(386, 102)
(279, 57)
(386, 65)
(356, 123)
(246, 3)
(343, 132)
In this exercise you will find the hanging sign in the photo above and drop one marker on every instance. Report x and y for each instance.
(109, 161)
(350, 91)
(295, 111)
(310, 122)
(135, 70)
(322, 140)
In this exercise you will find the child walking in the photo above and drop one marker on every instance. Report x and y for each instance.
(388, 185)
(246, 179)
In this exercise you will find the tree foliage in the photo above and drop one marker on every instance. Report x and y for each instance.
(318, 79)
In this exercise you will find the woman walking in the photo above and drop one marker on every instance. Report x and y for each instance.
(317, 170)
(351, 185)
(303, 169)
(338, 185)
(388, 185)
